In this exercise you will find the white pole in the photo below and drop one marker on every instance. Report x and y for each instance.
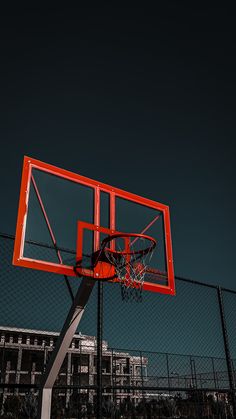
(63, 343)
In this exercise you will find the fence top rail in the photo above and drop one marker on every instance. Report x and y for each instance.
(177, 277)
(143, 352)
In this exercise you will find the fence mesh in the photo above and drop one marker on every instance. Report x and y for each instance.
(163, 357)
(229, 298)
(35, 299)
(187, 323)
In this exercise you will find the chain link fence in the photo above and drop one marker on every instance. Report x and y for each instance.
(161, 357)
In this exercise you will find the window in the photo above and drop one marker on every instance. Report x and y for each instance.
(15, 338)
(138, 370)
(116, 368)
(23, 339)
(84, 360)
(64, 365)
(11, 356)
(141, 371)
(7, 337)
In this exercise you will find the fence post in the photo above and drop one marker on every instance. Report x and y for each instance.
(168, 371)
(141, 367)
(214, 373)
(3, 362)
(99, 348)
(193, 372)
(227, 350)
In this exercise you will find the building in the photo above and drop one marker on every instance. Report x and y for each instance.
(25, 352)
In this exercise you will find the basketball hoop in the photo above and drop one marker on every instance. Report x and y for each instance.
(130, 254)
(123, 258)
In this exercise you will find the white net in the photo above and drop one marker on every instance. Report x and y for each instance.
(131, 259)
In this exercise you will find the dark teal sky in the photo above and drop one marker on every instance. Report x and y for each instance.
(140, 98)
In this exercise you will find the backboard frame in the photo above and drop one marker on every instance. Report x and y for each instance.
(18, 256)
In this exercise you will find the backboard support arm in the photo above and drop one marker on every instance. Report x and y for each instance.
(63, 343)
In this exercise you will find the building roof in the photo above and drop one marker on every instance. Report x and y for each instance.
(43, 332)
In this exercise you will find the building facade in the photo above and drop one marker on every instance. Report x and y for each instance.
(24, 354)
